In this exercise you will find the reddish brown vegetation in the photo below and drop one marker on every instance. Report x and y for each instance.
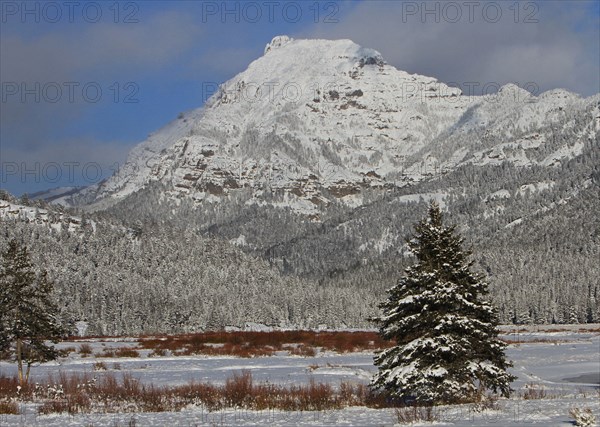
(106, 393)
(9, 408)
(85, 349)
(251, 344)
(119, 352)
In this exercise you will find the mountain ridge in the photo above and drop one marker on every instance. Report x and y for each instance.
(319, 122)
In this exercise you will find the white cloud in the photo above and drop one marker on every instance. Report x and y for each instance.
(561, 49)
(102, 54)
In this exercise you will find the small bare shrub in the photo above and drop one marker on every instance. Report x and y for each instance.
(158, 352)
(72, 404)
(303, 350)
(486, 402)
(9, 387)
(107, 352)
(100, 366)
(238, 389)
(131, 385)
(534, 392)
(54, 407)
(317, 397)
(64, 352)
(85, 349)
(583, 417)
(126, 352)
(414, 414)
(9, 408)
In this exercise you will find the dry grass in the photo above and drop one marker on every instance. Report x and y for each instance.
(118, 352)
(66, 351)
(107, 352)
(9, 408)
(301, 350)
(533, 391)
(583, 417)
(126, 352)
(253, 344)
(414, 414)
(108, 392)
(85, 350)
(100, 366)
(8, 387)
(158, 352)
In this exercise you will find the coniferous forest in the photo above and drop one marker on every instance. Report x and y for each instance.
(143, 266)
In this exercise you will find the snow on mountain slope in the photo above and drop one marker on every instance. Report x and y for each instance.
(306, 115)
(516, 127)
(313, 120)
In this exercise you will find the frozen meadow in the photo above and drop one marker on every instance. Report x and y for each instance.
(557, 368)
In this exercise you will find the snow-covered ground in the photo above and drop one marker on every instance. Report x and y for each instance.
(565, 362)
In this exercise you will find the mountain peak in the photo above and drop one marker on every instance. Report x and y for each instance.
(323, 48)
(315, 121)
(514, 91)
(277, 42)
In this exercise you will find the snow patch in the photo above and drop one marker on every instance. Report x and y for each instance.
(277, 42)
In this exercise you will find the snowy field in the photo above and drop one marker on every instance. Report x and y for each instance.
(564, 364)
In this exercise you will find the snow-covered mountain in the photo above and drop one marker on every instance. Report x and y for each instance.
(318, 120)
(312, 165)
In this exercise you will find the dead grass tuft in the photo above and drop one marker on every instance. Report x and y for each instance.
(85, 349)
(414, 414)
(9, 408)
(533, 391)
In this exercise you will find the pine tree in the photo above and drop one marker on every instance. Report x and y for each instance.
(28, 316)
(446, 331)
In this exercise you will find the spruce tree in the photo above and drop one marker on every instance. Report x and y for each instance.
(447, 349)
(28, 315)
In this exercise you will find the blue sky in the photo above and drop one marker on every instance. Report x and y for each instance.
(83, 82)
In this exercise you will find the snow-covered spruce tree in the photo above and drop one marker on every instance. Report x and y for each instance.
(28, 316)
(446, 331)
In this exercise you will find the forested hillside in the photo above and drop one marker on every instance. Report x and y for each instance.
(124, 281)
